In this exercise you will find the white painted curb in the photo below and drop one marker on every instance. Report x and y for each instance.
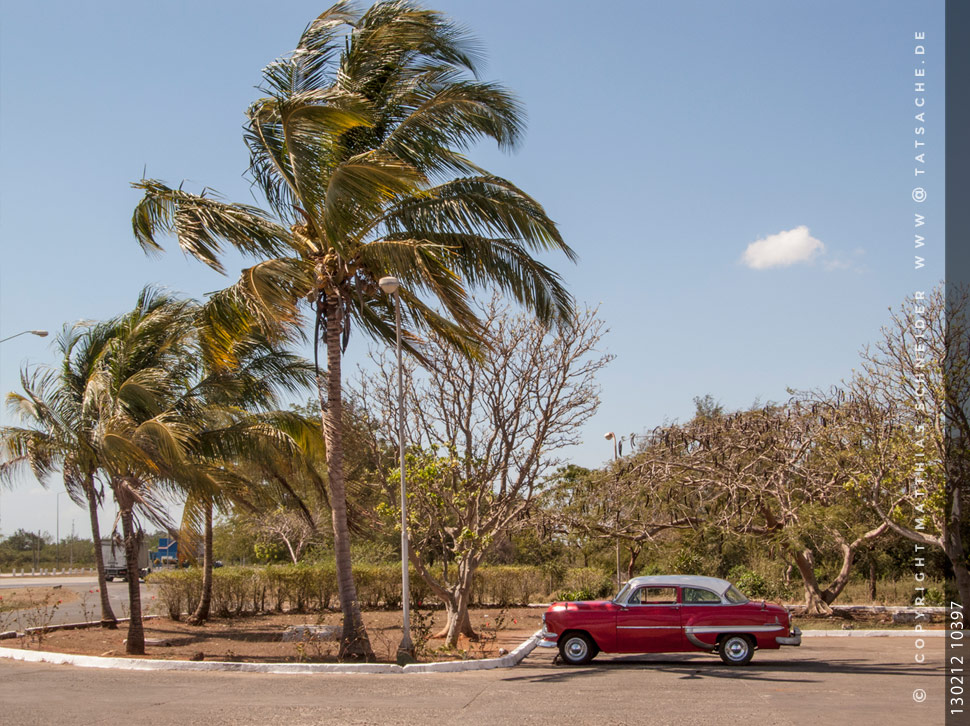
(506, 661)
(136, 664)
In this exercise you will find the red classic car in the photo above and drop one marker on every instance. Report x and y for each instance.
(668, 614)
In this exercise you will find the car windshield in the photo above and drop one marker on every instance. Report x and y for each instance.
(623, 594)
(734, 595)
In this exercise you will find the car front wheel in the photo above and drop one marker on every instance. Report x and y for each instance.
(577, 649)
(736, 650)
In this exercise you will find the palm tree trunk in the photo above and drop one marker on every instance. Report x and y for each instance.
(354, 642)
(108, 619)
(201, 613)
(135, 644)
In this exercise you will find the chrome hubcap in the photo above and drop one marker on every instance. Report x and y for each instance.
(576, 648)
(737, 648)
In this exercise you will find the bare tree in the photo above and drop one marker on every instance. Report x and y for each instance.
(632, 501)
(761, 472)
(907, 410)
(483, 436)
(290, 527)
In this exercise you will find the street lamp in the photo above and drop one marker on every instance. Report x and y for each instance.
(609, 435)
(38, 333)
(57, 529)
(405, 651)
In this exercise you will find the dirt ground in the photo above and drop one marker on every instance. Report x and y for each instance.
(258, 639)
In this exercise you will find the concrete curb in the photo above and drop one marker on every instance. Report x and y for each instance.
(7, 635)
(135, 664)
(82, 625)
(506, 661)
(873, 633)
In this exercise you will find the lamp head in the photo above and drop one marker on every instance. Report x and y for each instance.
(608, 435)
(389, 284)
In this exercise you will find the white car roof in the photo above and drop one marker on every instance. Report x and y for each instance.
(711, 583)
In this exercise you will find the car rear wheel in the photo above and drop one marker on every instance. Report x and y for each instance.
(577, 648)
(736, 650)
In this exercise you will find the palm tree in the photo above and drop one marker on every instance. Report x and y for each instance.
(59, 431)
(107, 416)
(255, 461)
(143, 442)
(357, 147)
(174, 402)
(230, 408)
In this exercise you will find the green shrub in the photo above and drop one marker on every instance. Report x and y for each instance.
(750, 582)
(313, 587)
(178, 590)
(932, 597)
(575, 596)
(507, 585)
(589, 580)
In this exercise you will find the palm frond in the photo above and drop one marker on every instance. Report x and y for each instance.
(446, 113)
(488, 206)
(359, 189)
(272, 290)
(310, 64)
(396, 37)
(203, 224)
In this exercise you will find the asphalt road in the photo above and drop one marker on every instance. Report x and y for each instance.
(88, 604)
(858, 681)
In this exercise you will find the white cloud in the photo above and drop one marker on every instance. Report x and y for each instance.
(783, 249)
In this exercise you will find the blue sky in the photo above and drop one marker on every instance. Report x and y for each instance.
(664, 138)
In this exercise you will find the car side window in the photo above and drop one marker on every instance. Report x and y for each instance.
(699, 596)
(654, 596)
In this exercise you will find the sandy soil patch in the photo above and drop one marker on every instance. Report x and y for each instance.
(258, 639)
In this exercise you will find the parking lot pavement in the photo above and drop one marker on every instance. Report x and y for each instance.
(826, 681)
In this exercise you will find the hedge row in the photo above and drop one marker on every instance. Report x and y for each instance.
(303, 587)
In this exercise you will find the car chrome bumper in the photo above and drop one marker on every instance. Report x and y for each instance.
(548, 640)
(795, 639)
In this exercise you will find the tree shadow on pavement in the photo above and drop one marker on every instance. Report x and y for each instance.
(800, 671)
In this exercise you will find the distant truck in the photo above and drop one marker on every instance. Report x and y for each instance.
(113, 553)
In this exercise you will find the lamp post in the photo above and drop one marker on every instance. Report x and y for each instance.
(405, 651)
(610, 436)
(57, 530)
(38, 333)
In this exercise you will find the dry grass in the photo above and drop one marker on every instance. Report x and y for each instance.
(888, 592)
